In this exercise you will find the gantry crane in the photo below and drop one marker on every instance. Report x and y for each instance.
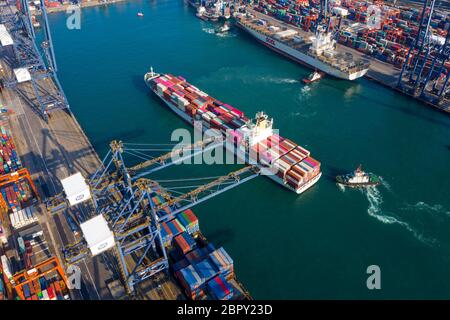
(125, 197)
(426, 61)
(46, 93)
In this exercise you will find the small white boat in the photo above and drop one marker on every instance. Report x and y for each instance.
(315, 76)
(140, 14)
(223, 29)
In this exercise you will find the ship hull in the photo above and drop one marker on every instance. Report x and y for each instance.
(305, 186)
(300, 57)
(343, 181)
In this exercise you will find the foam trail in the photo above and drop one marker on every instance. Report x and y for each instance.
(278, 80)
(306, 90)
(341, 187)
(374, 210)
(226, 35)
(208, 30)
(304, 115)
(386, 184)
(433, 209)
(375, 200)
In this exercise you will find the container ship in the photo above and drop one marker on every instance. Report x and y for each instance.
(251, 140)
(317, 52)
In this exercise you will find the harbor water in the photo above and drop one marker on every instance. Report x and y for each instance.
(315, 245)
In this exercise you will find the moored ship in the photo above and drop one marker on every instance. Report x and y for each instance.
(251, 140)
(317, 52)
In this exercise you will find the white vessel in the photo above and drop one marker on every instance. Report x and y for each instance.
(223, 29)
(317, 52)
(251, 133)
(359, 178)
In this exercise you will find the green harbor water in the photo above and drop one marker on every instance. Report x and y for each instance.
(318, 244)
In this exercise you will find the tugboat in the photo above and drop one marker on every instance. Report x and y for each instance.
(358, 178)
(315, 76)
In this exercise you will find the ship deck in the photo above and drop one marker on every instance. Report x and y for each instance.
(342, 60)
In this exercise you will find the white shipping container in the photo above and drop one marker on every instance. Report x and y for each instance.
(182, 102)
(12, 219)
(436, 39)
(19, 218)
(23, 216)
(285, 34)
(6, 266)
(202, 94)
(45, 295)
(206, 117)
(161, 88)
(274, 28)
(340, 11)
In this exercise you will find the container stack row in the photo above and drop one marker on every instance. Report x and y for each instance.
(289, 161)
(16, 194)
(43, 289)
(23, 217)
(203, 271)
(199, 105)
(9, 160)
(206, 273)
(385, 32)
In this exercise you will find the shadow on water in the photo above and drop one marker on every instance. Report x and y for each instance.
(330, 172)
(138, 83)
(406, 109)
(221, 237)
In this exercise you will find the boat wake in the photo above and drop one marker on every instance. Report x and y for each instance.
(278, 80)
(304, 115)
(374, 210)
(424, 207)
(226, 34)
(306, 90)
(385, 184)
(341, 187)
(208, 30)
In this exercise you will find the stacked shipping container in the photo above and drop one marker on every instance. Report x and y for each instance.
(275, 151)
(9, 160)
(196, 265)
(23, 217)
(398, 26)
(16, 195)
(44, 289)
(202, 272)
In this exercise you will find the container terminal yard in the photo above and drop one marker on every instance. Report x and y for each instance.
(61, 205)
(405, 44)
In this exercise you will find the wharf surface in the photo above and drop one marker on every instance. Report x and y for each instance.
(380, 72)
(88, 4)
(52, 151)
